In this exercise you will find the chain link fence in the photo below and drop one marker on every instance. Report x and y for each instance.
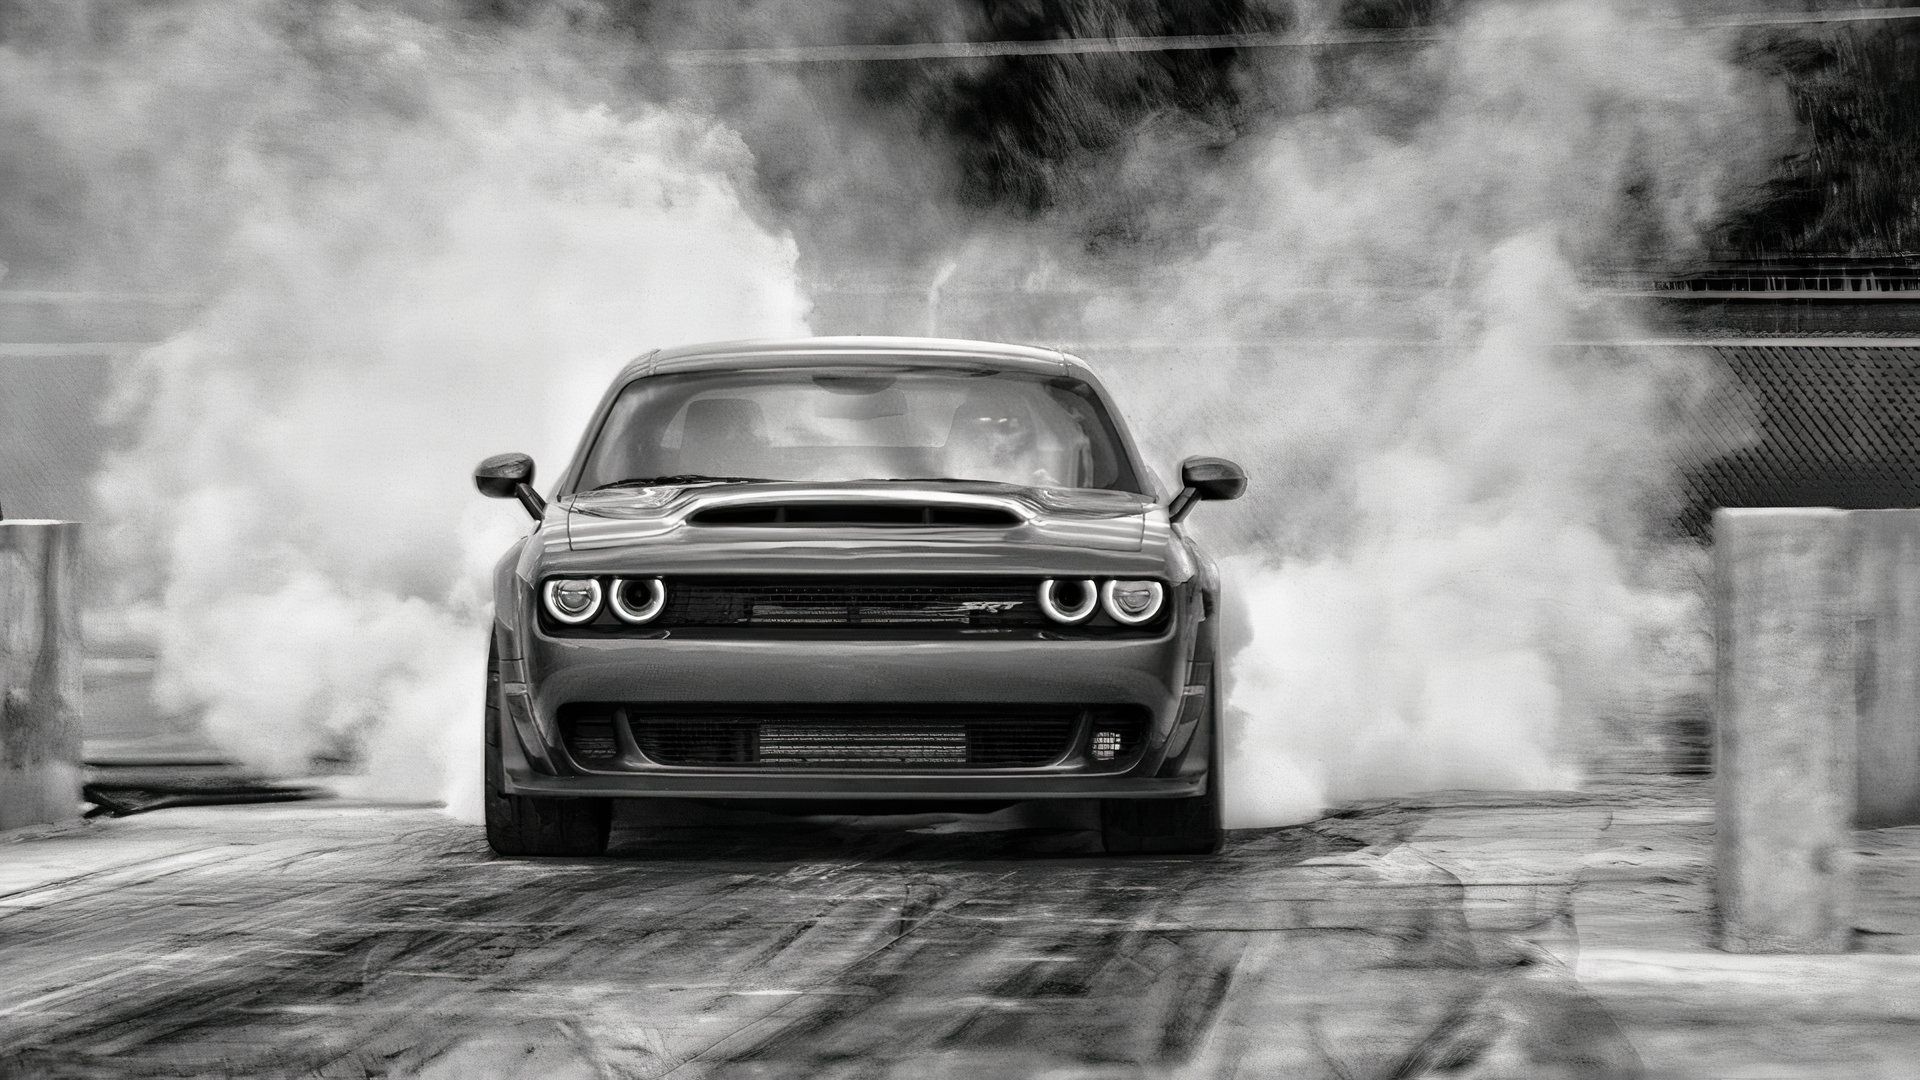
(1828, 425)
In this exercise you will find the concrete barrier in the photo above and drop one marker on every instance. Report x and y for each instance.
(40, 661)
(1783, 729)
(1816, 713)
(1887, 665)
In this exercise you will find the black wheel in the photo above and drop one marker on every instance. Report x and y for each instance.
(1188, 826)
(532, 825)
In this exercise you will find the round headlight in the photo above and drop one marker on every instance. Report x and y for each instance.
(572, 600)
(638, 600)
(1068, 601)
(1132, 602)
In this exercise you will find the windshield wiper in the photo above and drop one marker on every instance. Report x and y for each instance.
(680, 478)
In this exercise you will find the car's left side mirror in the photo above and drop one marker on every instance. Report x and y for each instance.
(1206, 478)
(510, 476)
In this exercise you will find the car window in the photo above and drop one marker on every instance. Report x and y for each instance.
(832, 424)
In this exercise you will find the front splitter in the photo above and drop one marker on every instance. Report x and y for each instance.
(734, 785)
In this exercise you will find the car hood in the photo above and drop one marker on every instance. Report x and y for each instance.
(663, 519)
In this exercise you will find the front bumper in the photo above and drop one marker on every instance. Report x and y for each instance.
(1159, 674)
(887, 787)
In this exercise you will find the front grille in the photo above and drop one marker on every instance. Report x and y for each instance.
(859, 735)
(856, 605)
(976, 603)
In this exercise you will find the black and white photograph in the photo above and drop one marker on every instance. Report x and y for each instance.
(960, 539)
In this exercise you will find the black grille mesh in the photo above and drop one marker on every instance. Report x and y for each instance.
(828, 602)
(1827, 426)
(591, 739)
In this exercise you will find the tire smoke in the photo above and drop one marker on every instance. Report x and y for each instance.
(417, 247)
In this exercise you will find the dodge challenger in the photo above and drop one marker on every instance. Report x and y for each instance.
(875, 572)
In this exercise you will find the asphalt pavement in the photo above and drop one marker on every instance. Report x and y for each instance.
(1458, 935)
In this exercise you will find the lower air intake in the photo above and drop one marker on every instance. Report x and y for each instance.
(869, 736)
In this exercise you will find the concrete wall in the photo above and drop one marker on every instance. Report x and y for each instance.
(1783, 729)
(1816, 713)
(40, 664)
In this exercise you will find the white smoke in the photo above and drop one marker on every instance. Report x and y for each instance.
(1455, 569)
(431, 246)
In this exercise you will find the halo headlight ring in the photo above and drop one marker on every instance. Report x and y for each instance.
(656, 599)
(1077, 614)
(1110, 600)
(549, 591)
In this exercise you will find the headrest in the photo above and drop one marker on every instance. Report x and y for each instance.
(724, 420)
(991, 408)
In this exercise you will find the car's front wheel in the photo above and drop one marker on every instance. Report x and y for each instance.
(533, 825)
(1189, 826)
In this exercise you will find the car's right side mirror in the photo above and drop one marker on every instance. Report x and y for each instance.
(1206, 478)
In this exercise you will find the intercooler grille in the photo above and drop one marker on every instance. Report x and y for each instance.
(999, 603)
(855, 735)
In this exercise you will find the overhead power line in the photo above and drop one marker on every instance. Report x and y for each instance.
(1318, 39)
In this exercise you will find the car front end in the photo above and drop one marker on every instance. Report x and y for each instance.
(868, 640)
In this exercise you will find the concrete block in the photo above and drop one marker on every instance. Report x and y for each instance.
(1784, 729)
(1887, 665)
(40, 663)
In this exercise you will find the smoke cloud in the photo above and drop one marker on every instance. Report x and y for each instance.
(418, 247)
(424, 239)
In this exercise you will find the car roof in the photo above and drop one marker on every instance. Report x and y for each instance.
(799, 352)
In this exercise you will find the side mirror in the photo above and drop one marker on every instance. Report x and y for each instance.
(510, 476)
(1206, 478)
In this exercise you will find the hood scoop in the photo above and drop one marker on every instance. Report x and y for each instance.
(856, 515)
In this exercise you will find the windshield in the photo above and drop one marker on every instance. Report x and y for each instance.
(833, 424)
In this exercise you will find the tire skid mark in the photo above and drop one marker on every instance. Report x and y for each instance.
(1329, 950)
(836, 981)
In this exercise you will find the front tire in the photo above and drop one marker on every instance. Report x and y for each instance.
(535, 825)
(1189, 826)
